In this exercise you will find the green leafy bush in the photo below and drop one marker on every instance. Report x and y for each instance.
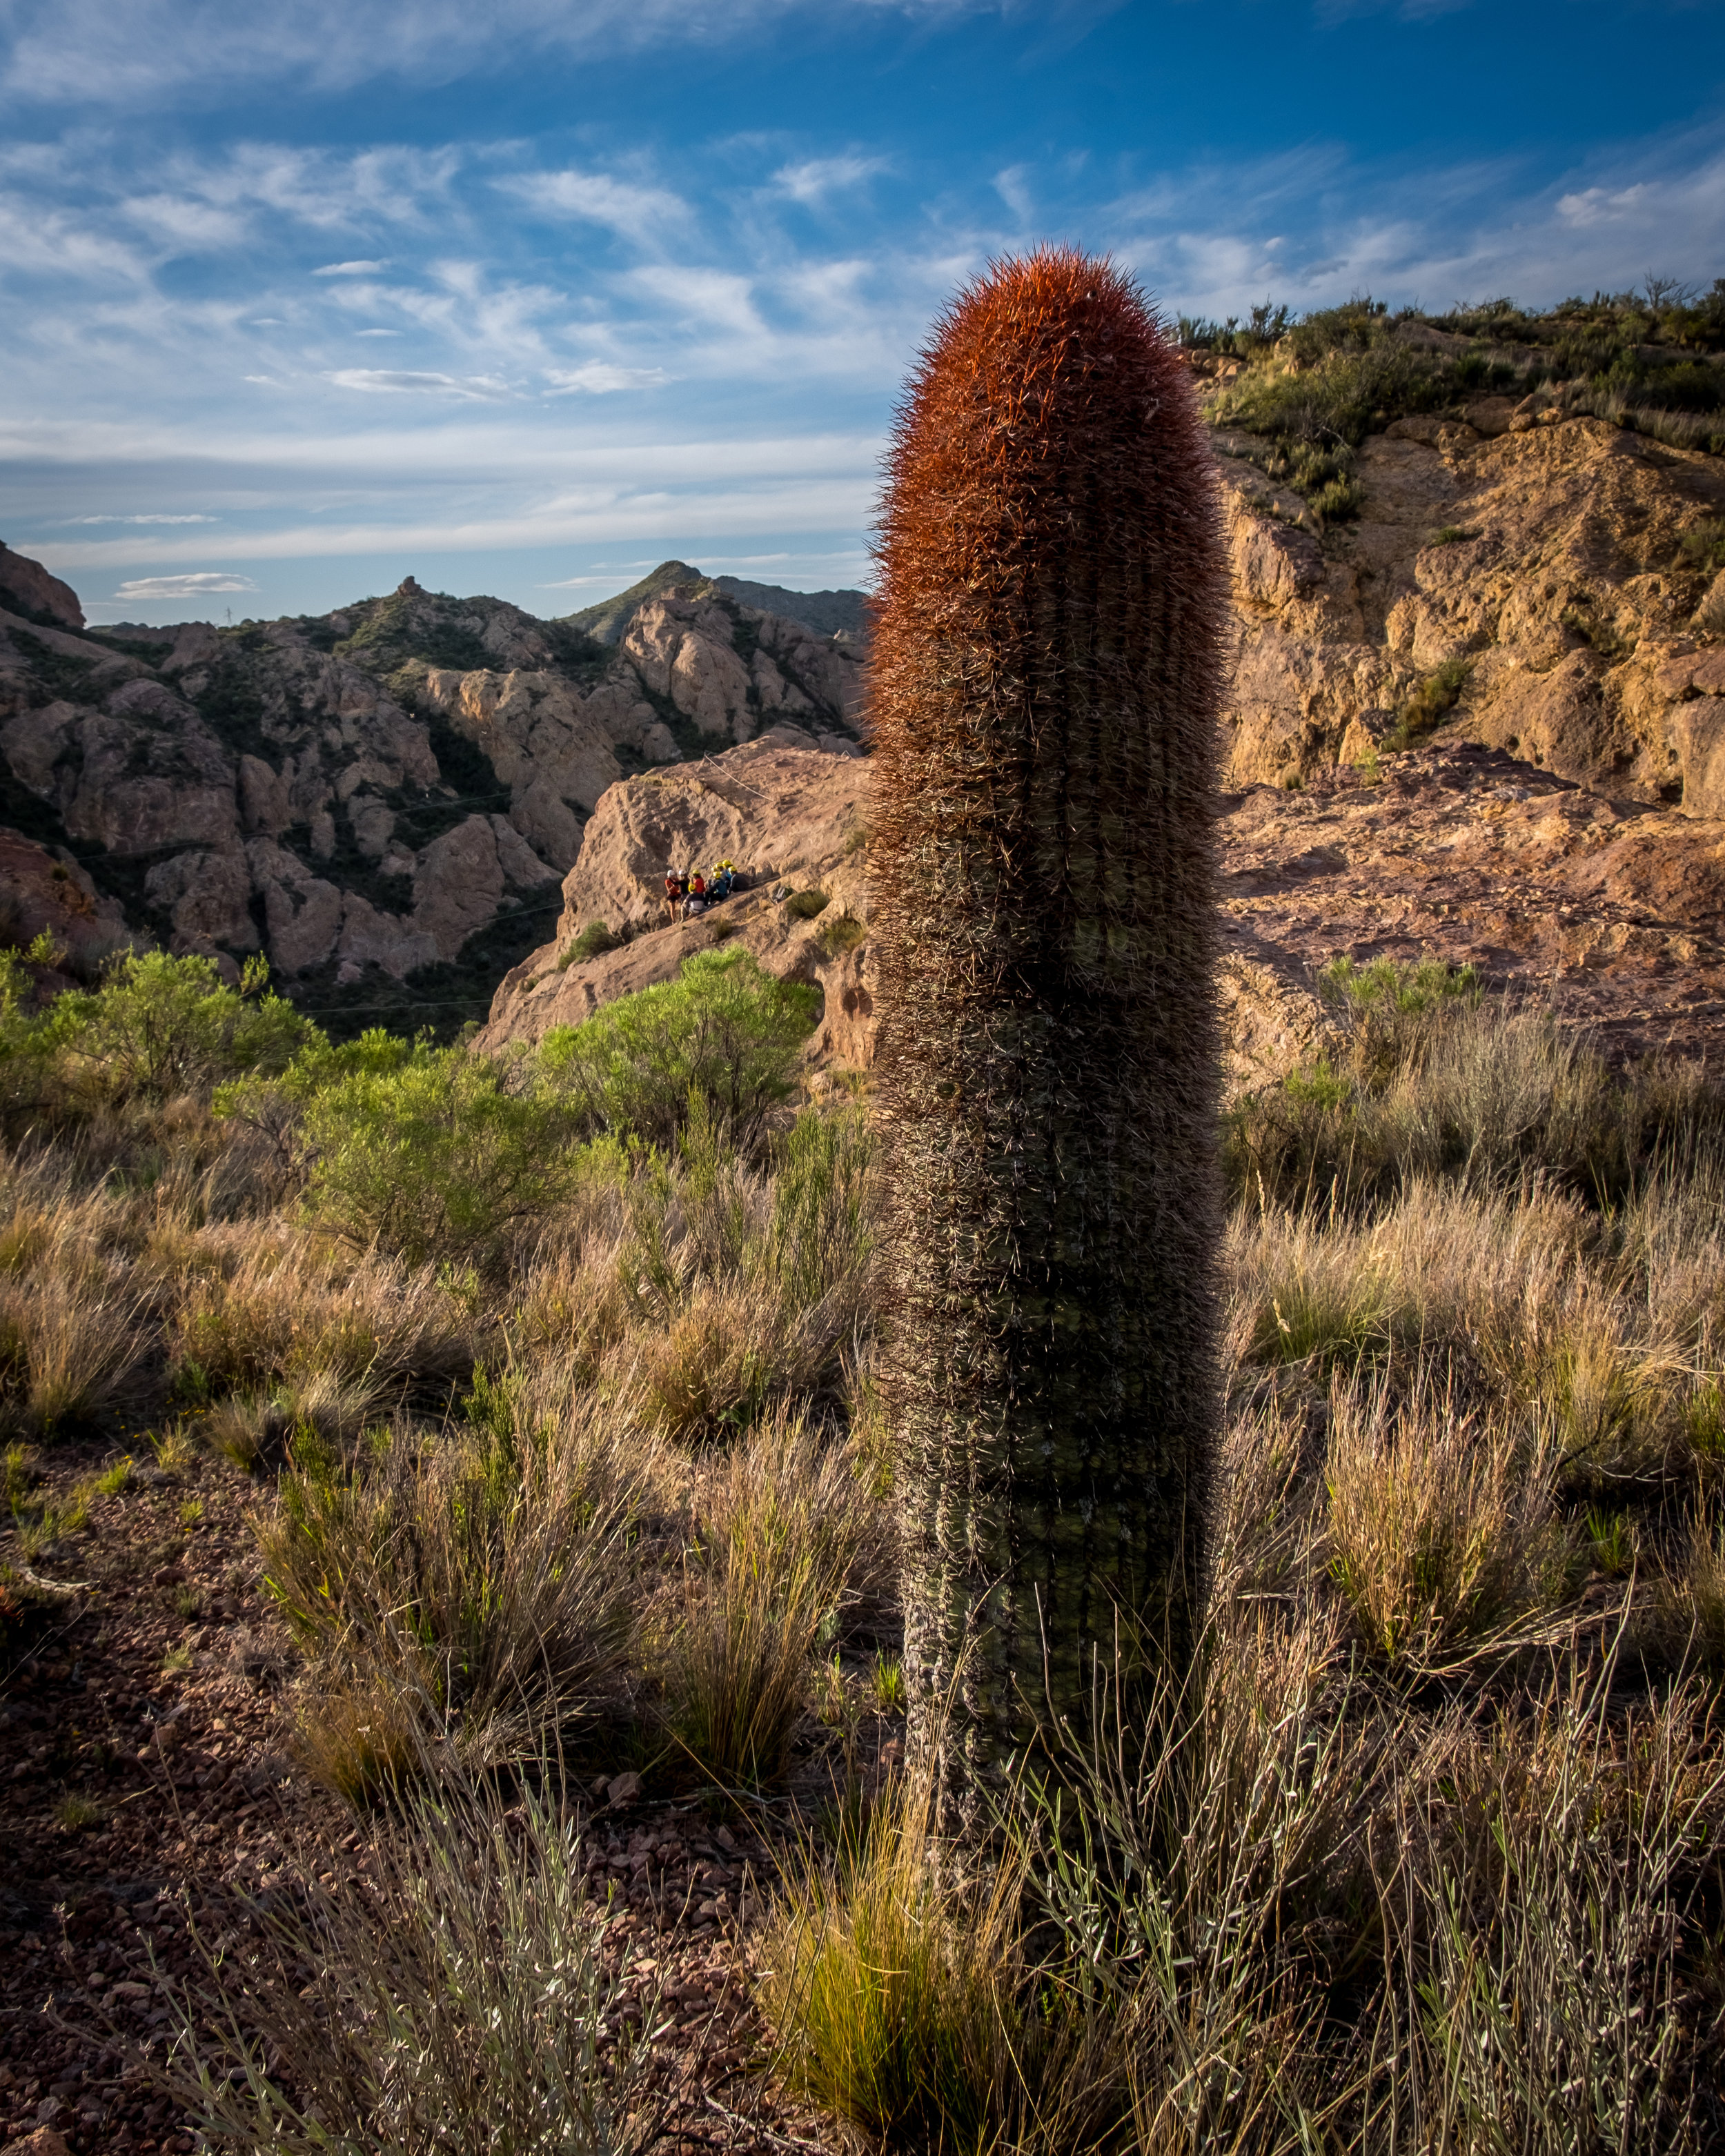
(160, 1028)
(430, 1153)
(593, 943)
(725, 1030)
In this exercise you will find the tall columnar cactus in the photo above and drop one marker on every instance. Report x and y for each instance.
(1045, 678)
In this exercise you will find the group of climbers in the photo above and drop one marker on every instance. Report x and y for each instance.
(688, 893)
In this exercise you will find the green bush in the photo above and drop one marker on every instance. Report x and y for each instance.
(725, 1031)
(26, 1041)
(159, 1027)
(430, 1153)
(593, 943)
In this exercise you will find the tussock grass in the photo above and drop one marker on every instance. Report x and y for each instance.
(1418, 1087)
(1442, 1534)
(283, 1306)
(483, 1571)
(892, 1989)
(68, 1342)
(456, 2000)
(786, 1534)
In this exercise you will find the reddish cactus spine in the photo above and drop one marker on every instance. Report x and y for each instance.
(1045, 682)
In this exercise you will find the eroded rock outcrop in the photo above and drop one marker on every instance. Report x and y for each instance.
(791, 815)
(377, 788)
(27, 588)
(1610, 912)
(1544, 555)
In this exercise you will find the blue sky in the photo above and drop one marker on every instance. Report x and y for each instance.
(521, 297)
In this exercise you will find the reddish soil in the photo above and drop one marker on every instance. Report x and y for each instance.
(1611, 913)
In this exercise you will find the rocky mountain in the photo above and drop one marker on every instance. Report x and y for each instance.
(843, 615)
(383, 799)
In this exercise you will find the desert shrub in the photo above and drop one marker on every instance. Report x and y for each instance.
(159, 1027)
(593, 943)
(429, 1153)
(805, 905)
(1336, 400)
(484, 1570)
(724, 1031)
(454, 1998)
(1428, 704)
(26, 1038)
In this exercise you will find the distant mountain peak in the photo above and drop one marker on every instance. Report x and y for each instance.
(840, 614)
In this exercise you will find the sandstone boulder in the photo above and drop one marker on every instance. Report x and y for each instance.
(26, 588)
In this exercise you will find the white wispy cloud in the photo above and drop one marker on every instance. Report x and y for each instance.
(67, 51)
(815, 178)
(152, 519)
(599, 377)
(199, 586)
(649, 215)
(412, 381)
(618, 350)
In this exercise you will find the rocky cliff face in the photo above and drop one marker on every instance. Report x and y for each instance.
(383, 799)
(1610, 912)
(791, 817)
(1533, 564)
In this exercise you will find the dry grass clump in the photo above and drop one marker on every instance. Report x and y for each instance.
(893, 1991)
(1423, 1079)
(284, 1306)
(1442, 1534)
(484, 1573)
(68, 1342)
(786, 1534)
(450, 1995)
(252, 1429)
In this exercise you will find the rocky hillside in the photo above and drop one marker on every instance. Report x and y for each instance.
(1610, 912)
(384, 798)
(1500, 529)
(1478, 705)
(1508, 529)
